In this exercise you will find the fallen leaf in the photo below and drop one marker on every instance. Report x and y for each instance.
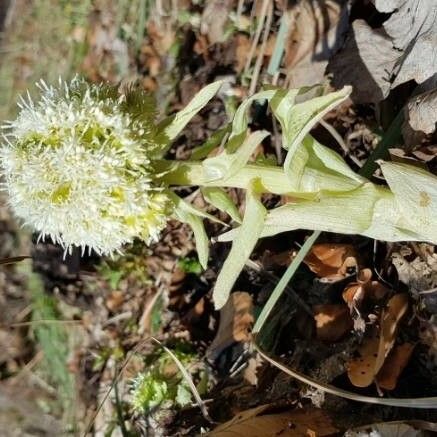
(395, 363)
(333, 321)
(328, 259)
(107, 57)
(250, 373)
(272, 260)
(418, 274)
(396, 308)
(162, 35)
(374, 61)
(214, 19)
(242, 44)
(236, 319)
(365, 62)
(364, 287)
(416, 428)
(361, 369)
(373, 352)
(421, 111)
(314, 33)
(412, 26)
(13, 346)
(115, 300)
(256, 422)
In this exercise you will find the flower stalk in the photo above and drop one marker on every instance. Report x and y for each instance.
(193, 173)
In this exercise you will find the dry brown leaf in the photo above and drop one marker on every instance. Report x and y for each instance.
(373, 352)
(236, 319)
(115, 300)
(328, 259)
(418, 274)
(333, 321)
(314, 37)
(374, 61)
(250, 373)
(420, 119)
(395, 363)
(215, 17)
(107, 57)
(13, 345)
(365, 62)
(396, 308)
(363, 288)
(162, 35)
(242, 44)
(361, 370)
(294, 423)
(412, 26)
(422, 111)
(415, 428)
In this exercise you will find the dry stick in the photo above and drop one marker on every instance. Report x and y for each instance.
(239, 12)
(340, 141)
(261, 51)
(407, 402)
(44, 322)
(255, 40)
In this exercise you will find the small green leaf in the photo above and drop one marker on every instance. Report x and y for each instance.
(183, 395)
(297, 119)
(244, 243)
(240, 121)
(202, 241)
(181, 204)
(187, 213)
(229, 164)
(218, 198)
(316, 168)
(190, 265)
(182, 118)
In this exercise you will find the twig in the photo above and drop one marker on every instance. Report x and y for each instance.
(407, 402)
(255, 40)
(239, 12)
(340, 141)
(45, 322)
(261, 51)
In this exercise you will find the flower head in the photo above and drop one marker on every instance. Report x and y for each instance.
(78, 166)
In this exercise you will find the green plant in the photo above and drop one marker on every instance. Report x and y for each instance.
(162, 385)
(190, 265)
(86, 166)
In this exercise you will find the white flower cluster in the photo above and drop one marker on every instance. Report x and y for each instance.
(77, 166)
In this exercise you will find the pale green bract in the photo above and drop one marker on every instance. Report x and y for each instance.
(86, 166)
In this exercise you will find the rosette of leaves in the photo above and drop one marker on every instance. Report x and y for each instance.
(162, 385)
(86, 165)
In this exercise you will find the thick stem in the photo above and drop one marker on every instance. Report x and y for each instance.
(272, 178)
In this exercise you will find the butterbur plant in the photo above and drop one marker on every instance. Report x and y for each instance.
(86, 166)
